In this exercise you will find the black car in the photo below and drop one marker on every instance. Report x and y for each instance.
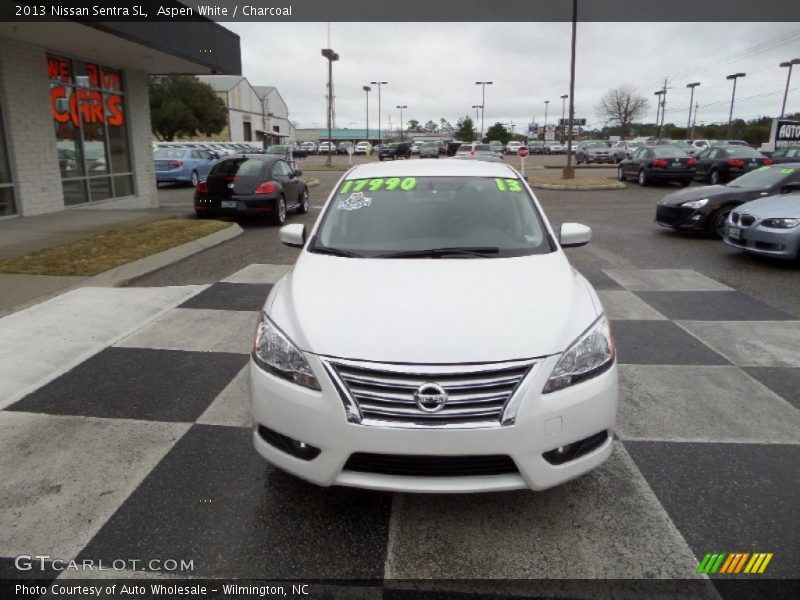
(251, 185)
(707, 208)
(719, 164)
(786, 155)
(658, 163)
(395, 151)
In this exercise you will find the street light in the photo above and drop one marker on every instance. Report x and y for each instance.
(563, 124)
(476, 107)
(691, 101)
(735, 76)
(331, 56)
(401, 107)
(794, 61)
(367, 89)
(483, 85)
(379, 84)
(659, 93)
(544, 135)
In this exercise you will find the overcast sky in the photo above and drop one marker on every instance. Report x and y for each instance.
(432, 68)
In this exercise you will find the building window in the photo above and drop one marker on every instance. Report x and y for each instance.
(88, 104)
(276, 128)
(7, 204)
(248, 131)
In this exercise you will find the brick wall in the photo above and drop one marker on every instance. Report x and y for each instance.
(24, 95)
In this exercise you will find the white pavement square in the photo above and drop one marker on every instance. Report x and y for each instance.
(258, 273)
(571, 531)
(201, 330)
(665, 280)
(751, 343)
(701, 404)
(62, 477)
(232, 406)
(43, 341)
(621, 305)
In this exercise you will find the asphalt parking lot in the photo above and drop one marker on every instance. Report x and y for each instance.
(709, 429)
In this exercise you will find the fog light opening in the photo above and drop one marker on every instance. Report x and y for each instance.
(288, 445)
(564, 454)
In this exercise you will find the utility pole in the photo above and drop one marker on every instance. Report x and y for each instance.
(733, 77)
(663, 107)
(476, 107)
(563, 125)
(794, 61)
(691, 100)
(569, 171)
(367, 89)
(658, 93)
(379, 84)
(483, 85)
(694, 121)
(544, 135)
(401, 107)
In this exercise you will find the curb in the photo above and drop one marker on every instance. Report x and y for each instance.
(558, 186)
(119, 275)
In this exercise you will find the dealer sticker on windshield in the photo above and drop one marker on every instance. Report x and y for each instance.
(787, 170)
(390, 184)
(354, 202)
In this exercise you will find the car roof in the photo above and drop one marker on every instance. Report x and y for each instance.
(442, 168)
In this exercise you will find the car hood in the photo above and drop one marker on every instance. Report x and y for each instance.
(783, 205)
(433, 310)
(697, 193)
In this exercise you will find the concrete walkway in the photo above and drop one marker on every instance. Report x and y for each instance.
(24, 235)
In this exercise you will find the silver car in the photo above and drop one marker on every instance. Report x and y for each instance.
(768, 226)
(429, 150)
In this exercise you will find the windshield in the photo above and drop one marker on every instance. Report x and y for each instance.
(765, 177)
(479, 216)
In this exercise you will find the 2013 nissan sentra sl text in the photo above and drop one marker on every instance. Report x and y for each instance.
(433, 337)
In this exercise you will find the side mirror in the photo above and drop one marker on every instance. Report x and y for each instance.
(293, 235)
(574, 234)
(298, 173)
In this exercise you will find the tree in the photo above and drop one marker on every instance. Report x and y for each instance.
(413, 126)
(465, 129)
(445, 126)
(498, 132)
(623, 106)
(180, 105)
(431, 127)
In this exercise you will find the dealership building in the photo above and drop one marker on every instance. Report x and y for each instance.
(74, 109)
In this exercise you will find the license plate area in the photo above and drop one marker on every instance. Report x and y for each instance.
(227, 204)
(735, 233)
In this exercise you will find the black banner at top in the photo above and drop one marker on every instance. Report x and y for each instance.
(401, 11)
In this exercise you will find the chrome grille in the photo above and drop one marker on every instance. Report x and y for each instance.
(383, 394)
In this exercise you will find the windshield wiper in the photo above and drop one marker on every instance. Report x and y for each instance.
(335, 252)
(439, 252)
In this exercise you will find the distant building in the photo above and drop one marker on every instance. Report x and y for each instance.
(255, 113)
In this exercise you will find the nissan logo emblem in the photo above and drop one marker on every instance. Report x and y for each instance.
(430, 397)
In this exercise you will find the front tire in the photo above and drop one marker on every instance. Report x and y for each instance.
(642, 179)
(620, 174)
(279, 214)
(195, 178)
(303, 208)
(716, 222)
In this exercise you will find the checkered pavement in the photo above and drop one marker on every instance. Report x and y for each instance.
(143, 449)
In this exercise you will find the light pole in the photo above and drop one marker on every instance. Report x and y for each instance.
(329, 54)
(544, 135)
(569, 171)
(483, 85)
(691, 101)
(659, 93)
(379, 84)
(401, 107)
(367, 89)
(734, 77)
(563, 124)
(794, 61)
(476, 107)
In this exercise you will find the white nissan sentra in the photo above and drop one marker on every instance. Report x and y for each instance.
(433, 337)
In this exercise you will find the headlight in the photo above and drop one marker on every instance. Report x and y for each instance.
(696, 203)
(273, 351)
(589, 355)
(780, 223)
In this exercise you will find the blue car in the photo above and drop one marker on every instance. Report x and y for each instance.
(180, 164)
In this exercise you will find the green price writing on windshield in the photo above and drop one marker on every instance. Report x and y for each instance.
(508, 185)
(373, 185)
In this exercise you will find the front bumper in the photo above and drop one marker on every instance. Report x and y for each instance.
(778, 243)
(543, 423)
(681, 217)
